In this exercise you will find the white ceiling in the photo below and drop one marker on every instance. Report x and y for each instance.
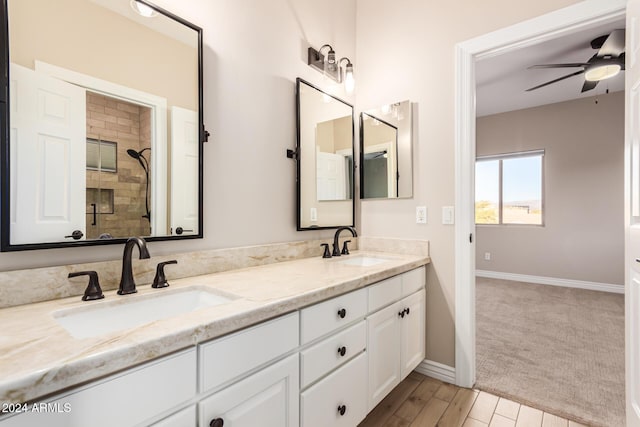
(501, 81)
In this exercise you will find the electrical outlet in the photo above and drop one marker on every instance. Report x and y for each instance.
(313, 214)
(487, 256)
(421, 214)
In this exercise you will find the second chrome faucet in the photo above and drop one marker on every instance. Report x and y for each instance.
(127, 284)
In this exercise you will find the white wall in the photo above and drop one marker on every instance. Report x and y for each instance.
(406, 51)
(253, 52)
(583, 234)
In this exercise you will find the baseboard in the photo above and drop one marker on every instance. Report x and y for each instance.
(437, 370)
(541, 280)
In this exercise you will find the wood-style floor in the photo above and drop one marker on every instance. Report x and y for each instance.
(420, 401)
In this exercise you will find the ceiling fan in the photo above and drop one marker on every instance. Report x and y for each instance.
(606, 63)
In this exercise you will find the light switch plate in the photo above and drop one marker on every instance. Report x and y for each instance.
(447, 215)
(313, 214)
(421, 214)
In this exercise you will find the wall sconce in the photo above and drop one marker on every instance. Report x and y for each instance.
(330, 68)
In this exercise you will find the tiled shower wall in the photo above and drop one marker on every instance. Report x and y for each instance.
(127, 125)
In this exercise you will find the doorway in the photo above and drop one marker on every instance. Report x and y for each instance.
(576, 17)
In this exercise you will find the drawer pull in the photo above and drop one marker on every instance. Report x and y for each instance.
(342, 313)
(216, 422)
(342, 409)
(342, 351)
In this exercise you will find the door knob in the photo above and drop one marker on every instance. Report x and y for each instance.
(76, 235)
(181, 230)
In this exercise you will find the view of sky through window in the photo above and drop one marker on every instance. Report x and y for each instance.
(517, 198)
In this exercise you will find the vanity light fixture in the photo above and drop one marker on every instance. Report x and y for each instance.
(330, 68)
(142, 9)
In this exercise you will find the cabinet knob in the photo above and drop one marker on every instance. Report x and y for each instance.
(342, 409)
(342, 313)
(407, 310)
(401, 313)
(342, 351)
(216, 422)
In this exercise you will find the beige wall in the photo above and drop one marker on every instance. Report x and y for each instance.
(406, 51)
(583, 235)
(96, 41)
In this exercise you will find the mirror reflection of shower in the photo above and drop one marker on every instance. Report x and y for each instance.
(145, 166)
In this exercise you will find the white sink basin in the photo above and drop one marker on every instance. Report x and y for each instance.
(363, 260)
(132, 310)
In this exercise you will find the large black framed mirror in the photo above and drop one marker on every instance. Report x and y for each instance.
(102, 124)
(325, 164)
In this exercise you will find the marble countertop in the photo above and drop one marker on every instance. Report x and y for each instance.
(38, 357)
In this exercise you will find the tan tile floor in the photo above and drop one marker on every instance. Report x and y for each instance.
(420, 401)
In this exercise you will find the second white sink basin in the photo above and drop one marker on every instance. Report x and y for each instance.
(133, 310)
(363, 260)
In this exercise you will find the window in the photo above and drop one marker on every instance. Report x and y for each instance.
(509, 188)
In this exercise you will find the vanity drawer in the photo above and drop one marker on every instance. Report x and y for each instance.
(322, 318)
(127, 399)
(413, 281)
(384, 293)
(345, 389)
(325, 356)
(229, 357)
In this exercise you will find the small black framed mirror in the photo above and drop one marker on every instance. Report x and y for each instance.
(115, 80)
(325, 162)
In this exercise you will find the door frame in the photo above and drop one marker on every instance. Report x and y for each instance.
(158, 106)
(573, 18)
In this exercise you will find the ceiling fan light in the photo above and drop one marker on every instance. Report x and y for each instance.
(602, 72)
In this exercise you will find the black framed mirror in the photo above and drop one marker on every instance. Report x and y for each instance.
(325, 163)
(102, 124)
(386, 152)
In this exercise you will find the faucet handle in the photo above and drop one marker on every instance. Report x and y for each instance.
(326, 254)
(160, 281)
(345, 248)
(93, 291)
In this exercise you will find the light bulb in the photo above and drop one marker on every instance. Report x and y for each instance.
(602, 72)
(142, 9)
(349, 81)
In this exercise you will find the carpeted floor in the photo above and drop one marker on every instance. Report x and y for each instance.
(558, 349)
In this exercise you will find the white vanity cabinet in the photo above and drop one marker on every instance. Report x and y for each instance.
(268, 398)
(395, 333)
(269, 395)
(126, 399)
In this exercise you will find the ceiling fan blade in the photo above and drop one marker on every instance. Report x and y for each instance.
(588, 85)
(556, 80)
(568, 65)
(613, 46)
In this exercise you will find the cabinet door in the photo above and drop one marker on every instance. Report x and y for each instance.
(338, 400)
(268, 398)
(413, 332)
(383, 330)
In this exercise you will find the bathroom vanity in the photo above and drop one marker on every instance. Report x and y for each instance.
(309, 342)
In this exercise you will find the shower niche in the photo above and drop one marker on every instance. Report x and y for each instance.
(118, 168)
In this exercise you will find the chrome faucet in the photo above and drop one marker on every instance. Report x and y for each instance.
(336, 245)
(127, 284)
